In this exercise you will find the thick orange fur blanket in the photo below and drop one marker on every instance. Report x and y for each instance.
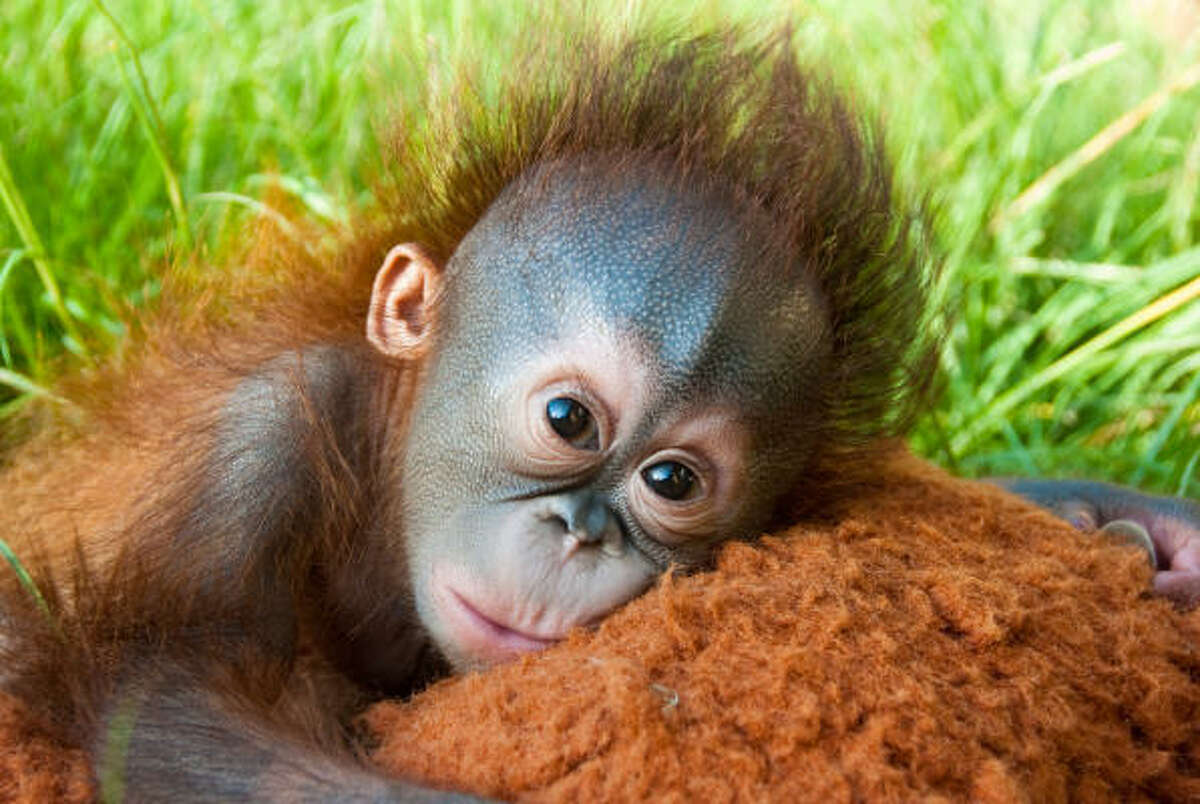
(932, 638)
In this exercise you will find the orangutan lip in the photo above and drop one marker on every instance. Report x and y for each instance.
(503, 633)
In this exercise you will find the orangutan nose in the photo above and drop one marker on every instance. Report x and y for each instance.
(587, 518)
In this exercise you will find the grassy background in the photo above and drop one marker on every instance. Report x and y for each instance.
(1062, 138)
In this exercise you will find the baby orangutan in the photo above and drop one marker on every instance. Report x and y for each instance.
(619, 317)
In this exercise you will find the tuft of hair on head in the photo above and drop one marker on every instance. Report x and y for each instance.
(728, 113)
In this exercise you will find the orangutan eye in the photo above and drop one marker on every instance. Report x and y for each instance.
(573, 422)
(670, 479)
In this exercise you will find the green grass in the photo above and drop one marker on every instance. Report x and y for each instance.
(1062, 141)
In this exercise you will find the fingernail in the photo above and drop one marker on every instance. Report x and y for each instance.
(1126, 531)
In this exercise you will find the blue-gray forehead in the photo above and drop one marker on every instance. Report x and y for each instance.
(639, 253)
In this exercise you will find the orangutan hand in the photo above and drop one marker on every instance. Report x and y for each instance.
(1167, 528)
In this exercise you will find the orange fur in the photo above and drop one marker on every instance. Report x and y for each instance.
(33, 767)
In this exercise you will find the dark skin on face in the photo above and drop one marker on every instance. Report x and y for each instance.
(637, 347)
(589, 401)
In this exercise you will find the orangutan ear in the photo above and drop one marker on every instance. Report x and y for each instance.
(399, 319)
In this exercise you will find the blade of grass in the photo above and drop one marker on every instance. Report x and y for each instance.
(1094, 273)
(257, 207)
(1003, 405)
(23, 576)
(112, 761)
(1094, 148)
(18, 213)
(1165, 429)
(21, 383)
(1182, 198)
(10, 262)
(1185, 479)
(1081, 66)
(1047, 83)
(147, 112)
